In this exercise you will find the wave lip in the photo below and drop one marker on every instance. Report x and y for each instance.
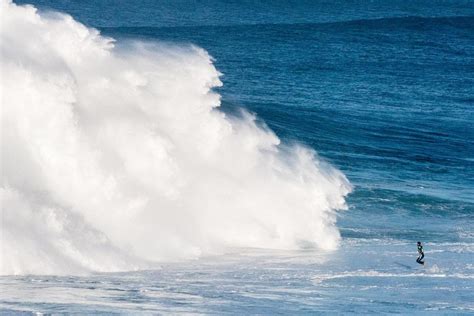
(114, 157)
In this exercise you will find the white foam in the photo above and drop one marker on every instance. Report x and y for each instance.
(114, 155)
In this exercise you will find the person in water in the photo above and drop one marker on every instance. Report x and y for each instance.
(421, 254)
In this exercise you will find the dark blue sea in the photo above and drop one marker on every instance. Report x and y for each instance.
(381, 90)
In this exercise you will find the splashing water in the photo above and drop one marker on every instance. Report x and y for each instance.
(114, 156)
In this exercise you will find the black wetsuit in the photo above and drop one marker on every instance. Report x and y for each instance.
(421, 256)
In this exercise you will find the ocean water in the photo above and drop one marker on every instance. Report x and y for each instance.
(237, 157)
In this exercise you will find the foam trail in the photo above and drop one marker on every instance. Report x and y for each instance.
(115, 156)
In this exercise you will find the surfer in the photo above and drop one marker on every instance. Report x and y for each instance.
(421, 254)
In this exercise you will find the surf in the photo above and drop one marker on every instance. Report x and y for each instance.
(115, 156)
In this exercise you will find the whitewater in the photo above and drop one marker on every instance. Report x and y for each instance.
(115, 156)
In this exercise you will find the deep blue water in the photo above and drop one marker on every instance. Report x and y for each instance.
(384, 91)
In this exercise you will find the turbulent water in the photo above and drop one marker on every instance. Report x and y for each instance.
(237, 157)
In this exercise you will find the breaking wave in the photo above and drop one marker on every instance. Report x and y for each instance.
(114, 156)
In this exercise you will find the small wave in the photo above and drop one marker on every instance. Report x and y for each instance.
(456, 21)
(433, 272)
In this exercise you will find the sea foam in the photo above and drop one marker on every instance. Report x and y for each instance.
(115, 156)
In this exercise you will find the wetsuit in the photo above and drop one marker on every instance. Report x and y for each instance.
(421, 255)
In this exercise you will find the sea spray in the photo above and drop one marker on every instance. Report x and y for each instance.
(114, 156)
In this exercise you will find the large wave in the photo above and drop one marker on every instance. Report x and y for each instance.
(114, 157)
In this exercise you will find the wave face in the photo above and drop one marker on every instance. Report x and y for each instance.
(114, 157)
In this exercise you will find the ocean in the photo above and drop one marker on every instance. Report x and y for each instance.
(237, 157)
